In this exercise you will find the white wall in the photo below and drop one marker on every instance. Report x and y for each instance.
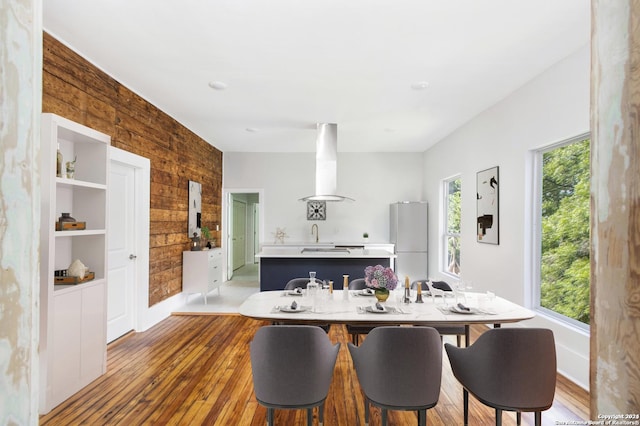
(374, 180)
(552, 107)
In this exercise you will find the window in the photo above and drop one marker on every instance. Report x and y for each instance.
(451, 228)
(563, 205)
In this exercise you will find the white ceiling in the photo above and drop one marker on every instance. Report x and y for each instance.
(289, 64)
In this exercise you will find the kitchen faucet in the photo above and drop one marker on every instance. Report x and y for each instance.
(317, 233)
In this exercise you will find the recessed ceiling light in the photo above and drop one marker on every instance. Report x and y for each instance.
(218, 85)
(420, 85)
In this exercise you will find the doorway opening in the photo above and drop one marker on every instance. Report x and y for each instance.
(243, 234)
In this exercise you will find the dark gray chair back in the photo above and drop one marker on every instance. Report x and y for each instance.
(300, 282)
(356, 330)
(423, 284)
(450, 330)
(412, 356)
(357, 284)
(510, 369)
(441, 285)
(292, 366)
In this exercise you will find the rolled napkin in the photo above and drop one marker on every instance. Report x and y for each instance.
(294, 306)
(298, 290)
(379, 306)
(441, 285)
(367, 291)
(463, 308)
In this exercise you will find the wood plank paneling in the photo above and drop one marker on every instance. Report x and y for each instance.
(196, 370)
(76, 89)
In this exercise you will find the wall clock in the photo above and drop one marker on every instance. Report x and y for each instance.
(316, 210)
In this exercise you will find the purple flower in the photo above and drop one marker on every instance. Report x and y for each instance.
(378, 276)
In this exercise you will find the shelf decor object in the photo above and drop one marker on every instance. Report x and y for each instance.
(68, 223)
(487, 191)
(75, 280)
(73, 300)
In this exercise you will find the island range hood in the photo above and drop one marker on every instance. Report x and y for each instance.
(326, 165)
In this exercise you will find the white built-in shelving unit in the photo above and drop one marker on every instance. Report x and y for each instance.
(73, 346)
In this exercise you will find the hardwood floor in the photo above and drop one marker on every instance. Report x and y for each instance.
(195, 370)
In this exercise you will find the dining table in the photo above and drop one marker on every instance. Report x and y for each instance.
(360, 307)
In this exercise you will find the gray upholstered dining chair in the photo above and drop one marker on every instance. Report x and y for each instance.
(412, 357)
(512, 369)
(445, 330)
(356, 330)
(300, 282)
(281, 357)
(357, 284)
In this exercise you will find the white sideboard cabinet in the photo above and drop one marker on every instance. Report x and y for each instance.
(73, 315)
(202, 271)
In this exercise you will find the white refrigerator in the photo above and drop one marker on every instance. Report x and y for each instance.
(409, 233)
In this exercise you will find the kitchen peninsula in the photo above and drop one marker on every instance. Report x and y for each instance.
(281, 263)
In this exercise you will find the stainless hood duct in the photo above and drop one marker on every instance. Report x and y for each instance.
(326, 165)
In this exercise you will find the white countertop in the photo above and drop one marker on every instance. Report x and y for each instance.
(368, 244)
(297, 251)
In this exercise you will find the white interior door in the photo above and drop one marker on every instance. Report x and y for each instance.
(121, 282)
(238, 234)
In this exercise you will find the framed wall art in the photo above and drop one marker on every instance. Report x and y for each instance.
(195, 208)
(487, 201)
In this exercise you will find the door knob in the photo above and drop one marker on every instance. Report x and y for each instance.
(132, 256)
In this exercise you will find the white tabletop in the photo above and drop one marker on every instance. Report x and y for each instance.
(268, 305)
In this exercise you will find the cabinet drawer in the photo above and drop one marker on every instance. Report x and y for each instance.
(215, 254)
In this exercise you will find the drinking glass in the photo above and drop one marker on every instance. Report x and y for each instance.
(312, 290)
(491, 296)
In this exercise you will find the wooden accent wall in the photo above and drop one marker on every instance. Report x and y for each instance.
(615, 273)
(78, 90)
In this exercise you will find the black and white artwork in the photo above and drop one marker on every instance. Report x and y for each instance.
(487, 189)
(316, 210)
(195, 208)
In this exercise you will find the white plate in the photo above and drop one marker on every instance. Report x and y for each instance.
(294, 293)
(288, 309)
(366, 293)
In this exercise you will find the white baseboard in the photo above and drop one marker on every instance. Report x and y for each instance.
(156, 313)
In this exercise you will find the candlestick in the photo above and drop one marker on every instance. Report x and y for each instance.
(407, 291)
(419, 296)
(345, 287)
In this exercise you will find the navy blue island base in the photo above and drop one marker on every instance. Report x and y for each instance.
(275, 272)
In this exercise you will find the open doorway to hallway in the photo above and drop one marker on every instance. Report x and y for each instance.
(243, 235)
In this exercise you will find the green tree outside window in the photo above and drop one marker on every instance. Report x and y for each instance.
(565, 242)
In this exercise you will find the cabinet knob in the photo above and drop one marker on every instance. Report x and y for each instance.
(132, 256)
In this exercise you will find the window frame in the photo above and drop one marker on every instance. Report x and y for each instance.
(536, 236)
(444, 230)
